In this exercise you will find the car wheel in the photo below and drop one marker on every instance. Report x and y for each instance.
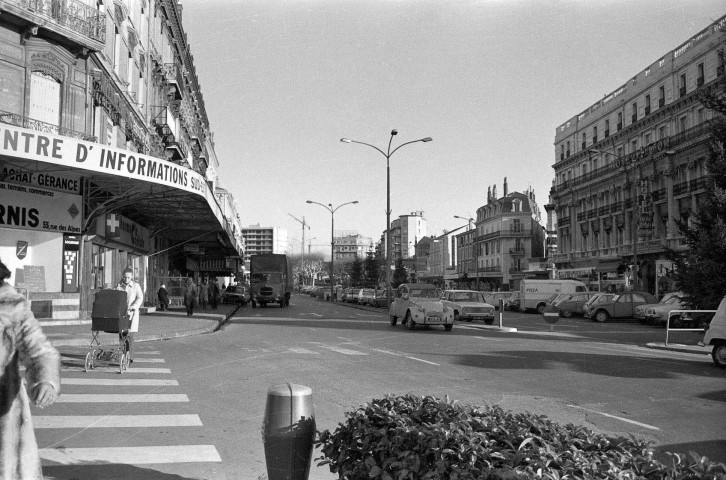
(601, 316)
(393, 319)
(456, 316)
(489, 321)
(541, 308)
(566, 313)
(448, 327)
(719, 355)
(409, 321)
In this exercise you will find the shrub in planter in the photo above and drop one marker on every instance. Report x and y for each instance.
(420, 438)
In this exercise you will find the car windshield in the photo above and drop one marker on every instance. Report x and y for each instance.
(424, 293)
(267, 277)
(670, 300)
(468, 297)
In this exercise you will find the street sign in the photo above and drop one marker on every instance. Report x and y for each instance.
(551, 314)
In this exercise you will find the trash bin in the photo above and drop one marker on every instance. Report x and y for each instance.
(288, 432)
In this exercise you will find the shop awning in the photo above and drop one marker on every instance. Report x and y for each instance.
(574, 272)
(606, 267)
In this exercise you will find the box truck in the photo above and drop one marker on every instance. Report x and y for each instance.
(535, 293)
(270, 280)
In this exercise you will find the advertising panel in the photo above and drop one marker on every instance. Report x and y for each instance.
(32, 208)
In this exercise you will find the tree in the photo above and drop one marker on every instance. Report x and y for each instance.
(400, 275)
(372, 271)
(700, 273)
(356, 272)
(307, 269)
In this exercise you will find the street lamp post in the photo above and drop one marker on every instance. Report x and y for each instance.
(388, 155)
(476, 251)
(329, 207)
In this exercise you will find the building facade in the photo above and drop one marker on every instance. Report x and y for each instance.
(107, 159)
(259, 240)
(630, 165)
(349, 245)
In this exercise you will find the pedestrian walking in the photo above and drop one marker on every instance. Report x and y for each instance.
(190, 297)
(214, 294)
(163, 298)
(204, 294)
(134, 300)
(22, 340)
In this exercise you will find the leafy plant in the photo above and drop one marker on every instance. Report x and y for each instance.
(427, 438)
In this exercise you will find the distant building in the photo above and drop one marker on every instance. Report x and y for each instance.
(350, 245)
(260, 239)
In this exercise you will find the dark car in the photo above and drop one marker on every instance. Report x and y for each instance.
(236, 294)
(572, 304)
(610, 305)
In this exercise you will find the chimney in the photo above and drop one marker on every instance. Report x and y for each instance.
(494, 193)
(505, 186)
(489, 194)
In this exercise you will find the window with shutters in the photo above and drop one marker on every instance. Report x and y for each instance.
(45, 98)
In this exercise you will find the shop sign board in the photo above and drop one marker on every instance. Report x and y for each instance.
(70, 152)
(124, 231)
(71, 247)
(50, 181)
(31, 208)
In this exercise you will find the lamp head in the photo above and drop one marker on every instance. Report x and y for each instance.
(345, 140)
(309, 201)
(394, 132)
(427, 139)
(355, 201)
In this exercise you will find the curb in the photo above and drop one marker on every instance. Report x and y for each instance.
(679, 347)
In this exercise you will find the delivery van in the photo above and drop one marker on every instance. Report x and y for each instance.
(535, 293)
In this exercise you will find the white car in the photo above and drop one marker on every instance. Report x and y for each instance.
(420, 304)
(468, 305)
(716, 335)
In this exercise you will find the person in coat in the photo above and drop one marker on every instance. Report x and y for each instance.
(204, 294)
(214, 294)
(163, 298)
(190, 296)
(134, 300)
(22, 341)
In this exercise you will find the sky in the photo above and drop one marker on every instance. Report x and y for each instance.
(488, 81)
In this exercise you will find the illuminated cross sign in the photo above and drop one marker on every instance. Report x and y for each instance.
(112, 226)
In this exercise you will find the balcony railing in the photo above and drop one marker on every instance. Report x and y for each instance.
(659, 194)
(697, 184)
(173, 76)
(564, 221)
(603, 210)
(72, 14)
(32, 124)
(516, 251)
(680, 188)
(592, 213)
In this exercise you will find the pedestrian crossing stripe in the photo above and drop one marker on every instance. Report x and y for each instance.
(303, 350)
(115, 421)
(129, 455)
(122, 398)
(107, 367)
(121, 382)
(136, 360)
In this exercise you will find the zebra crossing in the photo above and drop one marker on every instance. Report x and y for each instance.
(68, 437)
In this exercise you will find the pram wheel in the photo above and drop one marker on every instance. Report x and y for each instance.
(89, 361)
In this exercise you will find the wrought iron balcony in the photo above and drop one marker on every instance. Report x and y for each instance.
(173, 76)
(32, 124)
(72, 19)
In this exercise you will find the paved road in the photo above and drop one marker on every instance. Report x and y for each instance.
(210, 415)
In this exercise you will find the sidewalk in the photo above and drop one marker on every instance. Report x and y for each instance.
(680, 347)
(152, 326)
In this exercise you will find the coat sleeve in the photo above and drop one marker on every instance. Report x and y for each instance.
(41, 359)
(139, 300)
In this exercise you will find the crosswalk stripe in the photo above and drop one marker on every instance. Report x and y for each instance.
(122, 382)
(139, 360)
(121, 398)
(116, 421)
(129, 455)
(303, 350)
(344, 351)
(104, 367)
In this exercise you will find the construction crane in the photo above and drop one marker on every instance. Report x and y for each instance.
(302, 222)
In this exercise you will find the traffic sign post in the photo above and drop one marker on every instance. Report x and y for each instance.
(551, 315)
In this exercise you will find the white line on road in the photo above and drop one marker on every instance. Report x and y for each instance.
(135, 382)
(367, 315)
(129, 455)
(122, 398)
(424, 361)
(111, 367)
(116, 421)
(344, 351)
(387, 352)
(303, 350)
(136, 360)
(644, 425)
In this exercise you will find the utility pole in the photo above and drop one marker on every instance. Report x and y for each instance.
(302, 246)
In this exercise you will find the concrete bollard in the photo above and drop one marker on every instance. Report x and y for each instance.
(288, 432)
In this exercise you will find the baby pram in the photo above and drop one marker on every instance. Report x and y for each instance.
(110, 315)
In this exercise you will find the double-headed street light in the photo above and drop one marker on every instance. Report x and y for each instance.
(388, 154)
(329, 207)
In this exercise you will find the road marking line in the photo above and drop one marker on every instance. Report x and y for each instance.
(116, 421)
(387, 352)
(367, 315)
(139, 360)
(136, 382)
(344, 351)
(107, 367)
(146, 352)
(129, 455)
(121, 398)
(424, 361)
(303, 350)
(644, 425)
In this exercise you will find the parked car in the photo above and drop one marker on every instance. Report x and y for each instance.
(468, 305)
(658, 313)
(573, 304)
(513, 303)
(716, 335)
(346, 293)
(355, 297)
(236, 294)
(420, 304)
(380, 298)
(611, 305)
(492, 298)
(366, 296)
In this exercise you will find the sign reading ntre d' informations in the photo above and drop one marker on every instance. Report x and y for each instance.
(71, 152)
(32, 208)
